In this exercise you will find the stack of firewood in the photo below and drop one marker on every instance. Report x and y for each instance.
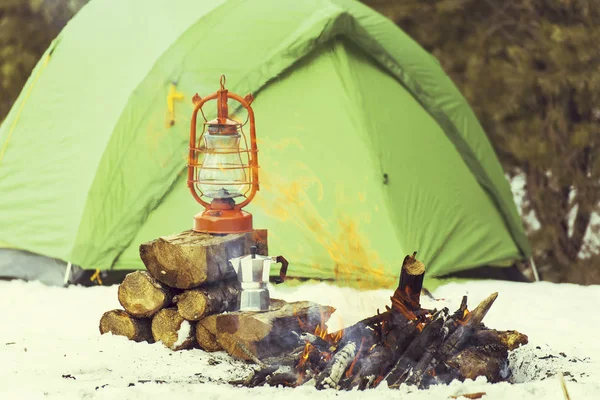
(188, 294)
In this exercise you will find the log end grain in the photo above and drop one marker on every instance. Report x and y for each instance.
(141, 295)
(191, 304)
(118, 322)
(173, 330)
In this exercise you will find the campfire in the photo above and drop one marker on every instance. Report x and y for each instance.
(403, 344)
(290, 344)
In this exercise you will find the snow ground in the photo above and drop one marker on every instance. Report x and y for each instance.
(50, 346)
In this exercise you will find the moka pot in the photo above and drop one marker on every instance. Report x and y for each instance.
(253, 273)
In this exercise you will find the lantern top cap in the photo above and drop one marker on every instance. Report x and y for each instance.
(230, 127)
(228, 121)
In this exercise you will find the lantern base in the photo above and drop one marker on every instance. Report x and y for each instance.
(223, 221)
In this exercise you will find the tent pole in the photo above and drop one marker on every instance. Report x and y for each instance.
(67, 274)
(534, 269)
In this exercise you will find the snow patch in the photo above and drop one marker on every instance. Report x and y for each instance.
(183, 333)
(51, 348)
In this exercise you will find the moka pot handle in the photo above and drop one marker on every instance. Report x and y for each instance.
(282, 271)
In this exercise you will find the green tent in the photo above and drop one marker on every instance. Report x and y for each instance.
(367, 149)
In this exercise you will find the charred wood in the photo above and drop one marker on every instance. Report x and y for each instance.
(333, 372)
(375, 364)
(428, 362)
(287, 359)
(287, 378)
(272, 375)
(398, 337)
(415, 349)
(411, 281)
(463, 333)
(417, 374)
(316, 341)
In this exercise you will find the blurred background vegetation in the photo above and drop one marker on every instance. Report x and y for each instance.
(529, 68)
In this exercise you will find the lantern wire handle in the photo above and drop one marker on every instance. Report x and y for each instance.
(203, 116)
(222, 81)
(247, 165)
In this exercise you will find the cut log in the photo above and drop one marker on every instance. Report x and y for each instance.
(194, 304)
(206, 335)
(258, 335)
(141, 295)
(189, 259)
(172, 330)
(411, 282)
(118, 322)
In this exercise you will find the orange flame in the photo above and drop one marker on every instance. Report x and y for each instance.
(320, 331)
(465, 318)
(305, 355)
(400, 306)
(338, 336)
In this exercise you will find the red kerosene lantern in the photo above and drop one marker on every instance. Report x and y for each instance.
(228, 173)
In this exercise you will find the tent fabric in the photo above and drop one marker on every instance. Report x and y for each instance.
(367, 149)
(17, 264)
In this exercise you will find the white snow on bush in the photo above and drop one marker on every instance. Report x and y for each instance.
(50, 346)
(591, 240)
